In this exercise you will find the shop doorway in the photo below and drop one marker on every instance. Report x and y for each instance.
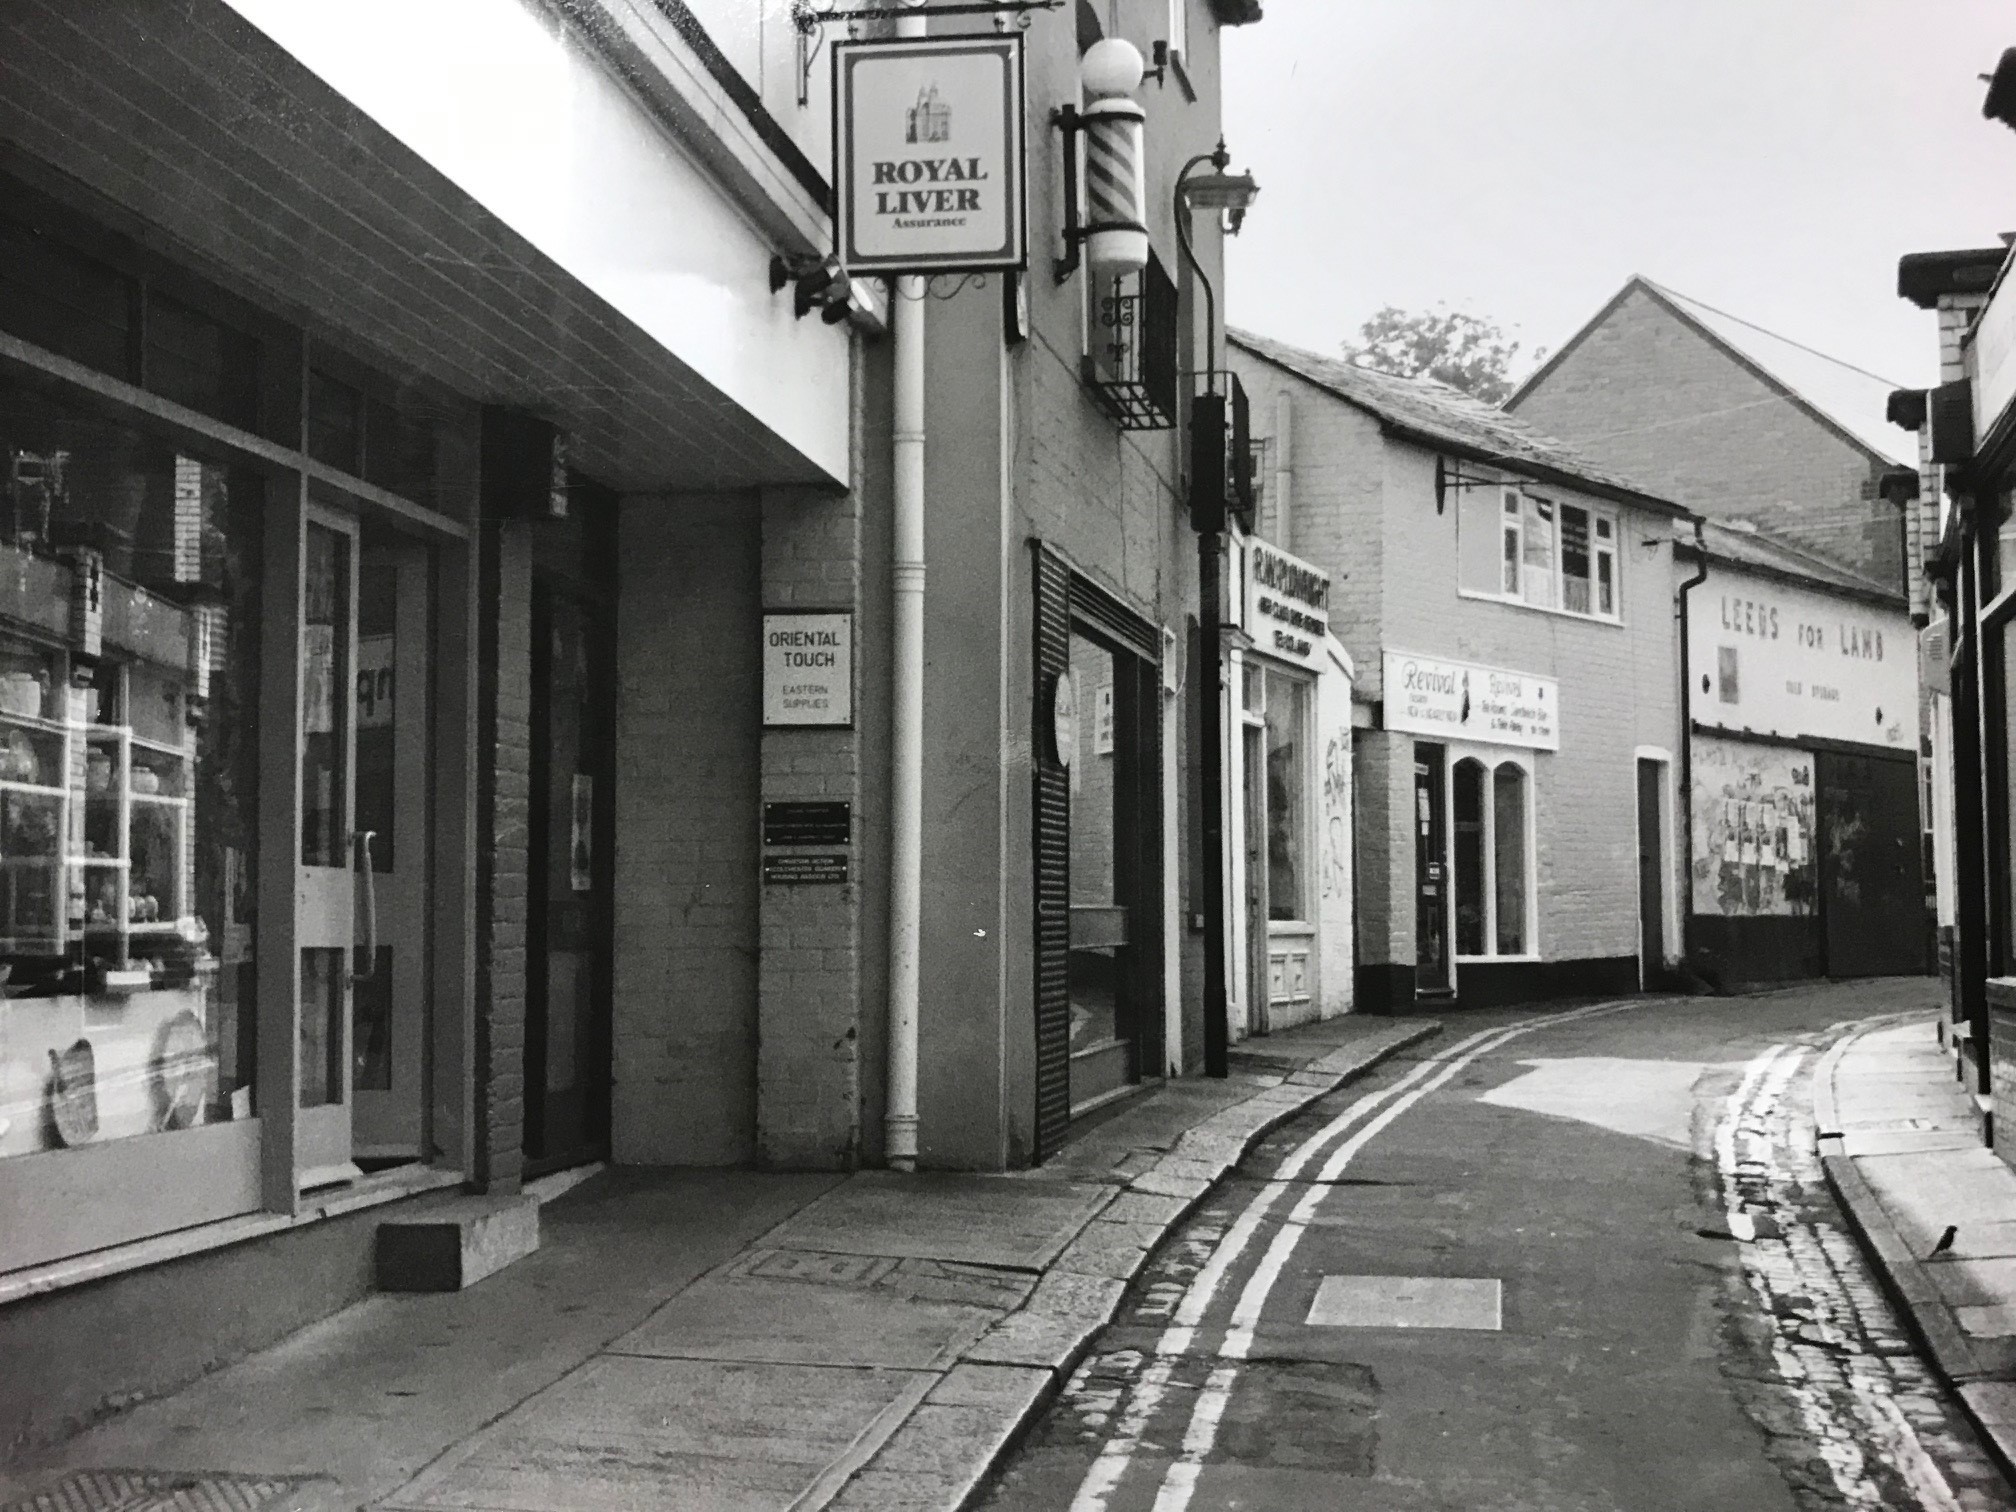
(570, 918)
(1431, 874)
(1651, 875)
(390, 1015)
(1872, 890)
(1098, 849)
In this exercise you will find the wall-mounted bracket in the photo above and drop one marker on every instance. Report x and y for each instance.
(812, 16)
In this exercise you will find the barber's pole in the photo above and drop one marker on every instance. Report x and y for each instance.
(1116, 206)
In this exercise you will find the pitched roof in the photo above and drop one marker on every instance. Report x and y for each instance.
(1436, 415)
(1776, 557)
(1848, 401)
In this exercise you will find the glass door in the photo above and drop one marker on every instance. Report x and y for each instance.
(390, 997)
(569, 922)
(327, 883)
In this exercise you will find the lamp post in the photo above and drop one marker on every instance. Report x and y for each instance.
(1232, 193)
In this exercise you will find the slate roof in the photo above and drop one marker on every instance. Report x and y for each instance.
(1436, 415)
(1779, 558)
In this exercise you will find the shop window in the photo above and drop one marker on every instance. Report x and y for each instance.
(201, 362)
(128, 782)
(1287, 722)
(1489, 809)
(70, 304)
(1547, 554)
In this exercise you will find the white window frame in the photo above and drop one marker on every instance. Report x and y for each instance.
(1179, 30)
(1606, 534)
(1492, 758)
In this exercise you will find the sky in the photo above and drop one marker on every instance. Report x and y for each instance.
(1520, 159)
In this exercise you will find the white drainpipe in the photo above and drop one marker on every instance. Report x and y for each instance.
(1284, 471)
(906, 754)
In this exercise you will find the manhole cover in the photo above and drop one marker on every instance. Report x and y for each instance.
(154, 1491)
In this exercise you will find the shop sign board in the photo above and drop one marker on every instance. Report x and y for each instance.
(1774, 659)
(1452, 700)
(927, 142)
(808, 669)
(1287, 605)
(1992, 358)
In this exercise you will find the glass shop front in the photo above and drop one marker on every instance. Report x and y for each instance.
(218, 797)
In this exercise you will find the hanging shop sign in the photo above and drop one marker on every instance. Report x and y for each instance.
(1287, 605)
(1773, 659)
(808, 669)
(1459, 701)
(928, 140)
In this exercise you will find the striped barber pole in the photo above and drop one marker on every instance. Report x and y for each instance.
(1115, 203)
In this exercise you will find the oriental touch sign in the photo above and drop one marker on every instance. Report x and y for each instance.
(928, 142)
(1458, 701)
(808, 669)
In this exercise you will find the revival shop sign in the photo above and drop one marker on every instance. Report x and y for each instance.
(928, 142)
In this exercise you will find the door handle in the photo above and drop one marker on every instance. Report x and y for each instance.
(369, 947)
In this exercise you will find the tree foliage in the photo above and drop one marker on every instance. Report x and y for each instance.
(1464, 351)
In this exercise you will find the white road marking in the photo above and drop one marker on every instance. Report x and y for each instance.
(1798, 1264)
(1180, 1481)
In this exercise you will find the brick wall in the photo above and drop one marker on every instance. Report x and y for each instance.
(809, 977)
(687, 764)
(503, 830)
(1652, 398)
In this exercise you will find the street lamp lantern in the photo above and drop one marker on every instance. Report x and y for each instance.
(1230, 193)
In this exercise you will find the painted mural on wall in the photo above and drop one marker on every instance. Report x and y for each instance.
(1754, 853)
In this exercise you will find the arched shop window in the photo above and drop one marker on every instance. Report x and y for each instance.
(1491, 809)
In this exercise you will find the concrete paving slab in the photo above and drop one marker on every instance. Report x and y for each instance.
(1013, 1222)
(744, 1318)
(1408, 1302)
(1974, 1283)
(1856, 1140)
(1165, 1184)
(1144, 1207)
(1052, 1341)
(627, 1433)
(1997, 1321)
(1065, 1294)
(1109, 1249)
(1977, 1241)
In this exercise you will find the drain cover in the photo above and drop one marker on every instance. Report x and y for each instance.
(154, 1491)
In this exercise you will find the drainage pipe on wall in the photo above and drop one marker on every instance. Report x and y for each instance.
(1284, 471)
(906, 744)
(1686, 795)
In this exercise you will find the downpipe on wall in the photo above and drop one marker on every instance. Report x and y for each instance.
(906, 744)
(1686, 794)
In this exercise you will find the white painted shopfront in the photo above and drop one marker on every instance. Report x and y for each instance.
(1288, 820)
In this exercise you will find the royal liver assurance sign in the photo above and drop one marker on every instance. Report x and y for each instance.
(928, 145)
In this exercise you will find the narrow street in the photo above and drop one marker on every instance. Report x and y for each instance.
(1575, 1262)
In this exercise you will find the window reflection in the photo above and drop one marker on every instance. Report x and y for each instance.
(127, 778)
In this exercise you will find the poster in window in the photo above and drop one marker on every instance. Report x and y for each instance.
(1753, 830)
(580, 848)
(1102, 723)
(318, 679)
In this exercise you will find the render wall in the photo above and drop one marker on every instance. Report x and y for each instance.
(1651, 398)
(688, 708)
(1619, 691)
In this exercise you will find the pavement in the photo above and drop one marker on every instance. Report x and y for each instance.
(1900, 1139)
(723, 1340)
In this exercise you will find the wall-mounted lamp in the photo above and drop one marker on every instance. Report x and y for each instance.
(820, 284)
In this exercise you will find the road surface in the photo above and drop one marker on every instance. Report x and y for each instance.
(1579, 1261)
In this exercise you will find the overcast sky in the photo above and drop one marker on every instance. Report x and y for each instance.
(1521, 158)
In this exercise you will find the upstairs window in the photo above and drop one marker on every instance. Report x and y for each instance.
(1543, 552)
